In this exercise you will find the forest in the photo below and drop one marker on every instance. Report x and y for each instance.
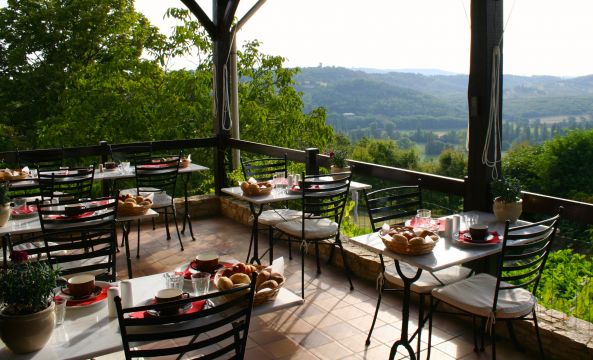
(74, 73)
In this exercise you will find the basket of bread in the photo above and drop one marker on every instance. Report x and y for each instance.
(407, 240)
(252, 187)
(18, 174)
(185, 161)
(267, 285)
(133, 205)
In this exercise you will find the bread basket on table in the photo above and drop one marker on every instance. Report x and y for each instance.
(256, 189)
(139, 206)
(264, 292)
(11, 175)
(408, 241)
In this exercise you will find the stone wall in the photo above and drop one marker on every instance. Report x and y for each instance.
(563, 337)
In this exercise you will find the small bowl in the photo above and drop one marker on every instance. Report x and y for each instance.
(479, 232)
(81, 285)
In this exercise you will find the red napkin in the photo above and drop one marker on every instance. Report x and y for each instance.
(441, 223)
(98, 298)
(153, 166)
(495, 238)
(62, 217)
(25, 209)
(195, 307)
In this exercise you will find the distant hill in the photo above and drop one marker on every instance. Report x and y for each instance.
(395, 96)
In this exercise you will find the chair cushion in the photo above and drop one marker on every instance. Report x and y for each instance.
(427, 281)
(476, 296)
(85, 262)
(315, 229)
(276, 216)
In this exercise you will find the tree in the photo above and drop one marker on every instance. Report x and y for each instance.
(46, 44)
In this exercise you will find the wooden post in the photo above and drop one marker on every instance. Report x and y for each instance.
(311, 165)
(486, 34)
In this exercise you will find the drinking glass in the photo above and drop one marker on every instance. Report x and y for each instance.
(470, 219)
(423, 217)
(125, 166)
(173, 280)
(19, 204)
(200, 283)
(281, 181)
(60, 309)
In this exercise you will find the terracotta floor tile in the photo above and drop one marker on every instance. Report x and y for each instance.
(341, 330)
(281, 348)
(331, 351)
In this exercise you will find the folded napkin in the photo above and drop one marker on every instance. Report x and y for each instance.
(494, 240)
(195, 307)
(63, 217)
(24, 210)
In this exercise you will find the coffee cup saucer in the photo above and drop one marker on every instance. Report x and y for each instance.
(182, 309)
(96, 292)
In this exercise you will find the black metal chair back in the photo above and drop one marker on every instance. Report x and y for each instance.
(392, 205)
(67, 185)
(525, 250)
(47, 160)
(131, 153)
(81, 237)
(215, 332)
(157, 175)
(264, 169)
(324, 198)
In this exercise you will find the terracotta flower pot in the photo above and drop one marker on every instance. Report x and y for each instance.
(4, 214)
(507, 211)
(334, 170)
(27, 333)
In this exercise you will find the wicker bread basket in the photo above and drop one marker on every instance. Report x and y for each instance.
(261, 188)
(137, 210)
(13, 175)
(261, 296)
(407, 247)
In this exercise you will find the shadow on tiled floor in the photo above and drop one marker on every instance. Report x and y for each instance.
(331, 324)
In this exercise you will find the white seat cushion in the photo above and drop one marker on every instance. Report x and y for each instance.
(476, 296)
(315, 229)
(85, 262)
(427, 281)
(276, 216)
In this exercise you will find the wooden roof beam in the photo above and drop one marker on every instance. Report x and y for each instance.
(229, 13)
(201, 16)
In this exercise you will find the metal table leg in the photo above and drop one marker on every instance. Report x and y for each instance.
(186, 218)
(404, 339)
(255, 234)
(125, 226)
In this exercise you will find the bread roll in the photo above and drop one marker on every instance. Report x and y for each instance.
(241, 279)
(270, 284)
(400, 239)
(224, 283)
(262, 277)
(415, 241)
(277, 277)
(139, 199)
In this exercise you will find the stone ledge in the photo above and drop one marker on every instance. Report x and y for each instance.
(563, 337)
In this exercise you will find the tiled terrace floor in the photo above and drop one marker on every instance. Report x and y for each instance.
(331, 324)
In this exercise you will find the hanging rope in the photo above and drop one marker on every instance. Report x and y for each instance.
(493, 136)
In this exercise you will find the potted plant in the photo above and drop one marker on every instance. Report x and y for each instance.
(4, 204)
(508, 204)
(337, 159)
(27, 316)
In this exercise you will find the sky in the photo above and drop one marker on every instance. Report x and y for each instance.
(542, 37)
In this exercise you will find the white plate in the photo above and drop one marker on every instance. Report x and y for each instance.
(102, 284)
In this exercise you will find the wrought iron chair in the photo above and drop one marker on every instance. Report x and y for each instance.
(81, 238)
(159, 176)
(322, 208)
(66, 185)
(214, 332)
(510, 295)
(264, 170)
(394, 205)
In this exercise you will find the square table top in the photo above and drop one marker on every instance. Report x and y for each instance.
(447, 252)
(88, 332)
(277, 196)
